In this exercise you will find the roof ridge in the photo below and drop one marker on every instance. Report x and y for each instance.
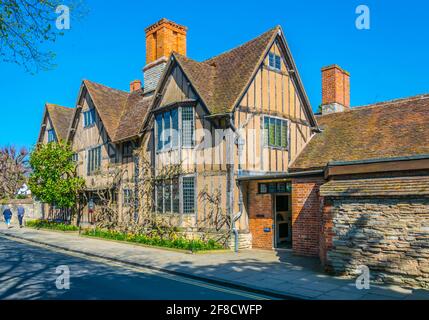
(241, 45)
(103, 85)
(380, 104)
(393, 101)
(57, 105)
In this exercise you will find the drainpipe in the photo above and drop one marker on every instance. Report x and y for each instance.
(239, 141)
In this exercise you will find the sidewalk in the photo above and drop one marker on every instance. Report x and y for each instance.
(265, 271)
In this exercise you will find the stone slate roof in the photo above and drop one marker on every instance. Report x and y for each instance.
(122, 113)
(221, 80)
(61, 118)
(398, 128)
(404, 186)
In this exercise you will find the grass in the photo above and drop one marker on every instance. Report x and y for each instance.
(178, 243)
(51, 225)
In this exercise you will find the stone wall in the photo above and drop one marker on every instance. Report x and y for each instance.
(389, 235)
(33, 209)
(244, 241)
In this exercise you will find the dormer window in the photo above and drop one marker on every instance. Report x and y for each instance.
(275, 61)
(51, 135)
(89, 118)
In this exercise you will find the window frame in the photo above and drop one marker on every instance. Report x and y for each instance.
(175, 139)
(266, 135)
(52, 137)
(171, 184)
(89, 116)
(93, 163)
(127, 145)
(127, 195)
(273, 59)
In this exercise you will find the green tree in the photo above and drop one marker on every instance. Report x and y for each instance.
(53, 179)
(27, 25)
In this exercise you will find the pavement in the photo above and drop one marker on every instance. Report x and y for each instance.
(271, 273)
(29, 272)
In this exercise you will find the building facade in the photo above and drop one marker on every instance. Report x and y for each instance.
(349, 185)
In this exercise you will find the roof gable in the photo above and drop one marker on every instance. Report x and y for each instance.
(60, 118)
(121, 113)
(221, 81)
(391, 129)
(109, 103)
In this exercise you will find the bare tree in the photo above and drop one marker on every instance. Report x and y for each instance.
(13, 170)
(26, 25)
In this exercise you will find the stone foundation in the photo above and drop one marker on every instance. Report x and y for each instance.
(244, 241)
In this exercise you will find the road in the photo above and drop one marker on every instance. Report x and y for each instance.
(29, 272)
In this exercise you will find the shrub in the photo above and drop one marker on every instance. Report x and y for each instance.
(177, 243)
(52, 225)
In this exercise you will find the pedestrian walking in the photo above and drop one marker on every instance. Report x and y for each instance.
(7, 214)
(21, 212)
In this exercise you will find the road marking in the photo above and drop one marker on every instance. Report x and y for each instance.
(140, 269)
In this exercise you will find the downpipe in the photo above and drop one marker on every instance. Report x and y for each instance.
(239, 142)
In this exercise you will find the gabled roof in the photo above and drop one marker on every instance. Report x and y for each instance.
(133, 115)
(60, 118)
(221, 81)
(121, 112)
(109, 104)
(398, 128)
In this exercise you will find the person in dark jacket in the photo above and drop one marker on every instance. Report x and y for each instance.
(21, 212)
(7, 214)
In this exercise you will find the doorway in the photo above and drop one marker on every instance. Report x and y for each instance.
(282, 221)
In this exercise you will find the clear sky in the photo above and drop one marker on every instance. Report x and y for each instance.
(108, 46)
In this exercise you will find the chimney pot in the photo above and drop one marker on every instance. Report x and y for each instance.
(135, 85)
(162, 38)
(335, 89)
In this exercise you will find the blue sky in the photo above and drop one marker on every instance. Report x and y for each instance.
(108, 46)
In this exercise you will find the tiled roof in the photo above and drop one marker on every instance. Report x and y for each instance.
(60, 117)
(109, 103)
(222, 79)
(122, 113)
(398, 128)
(404, 186)
(133, 115)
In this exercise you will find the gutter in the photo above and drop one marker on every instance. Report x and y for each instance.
(281, 175)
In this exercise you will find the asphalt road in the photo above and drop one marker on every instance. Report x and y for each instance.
(29, 272)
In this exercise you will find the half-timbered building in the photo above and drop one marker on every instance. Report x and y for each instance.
(349, 185)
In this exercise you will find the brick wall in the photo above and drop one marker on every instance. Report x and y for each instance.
(260, 209)
(306, 216)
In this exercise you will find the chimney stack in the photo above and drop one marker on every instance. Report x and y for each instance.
(162, 38)
(135, 85)
(335, 89)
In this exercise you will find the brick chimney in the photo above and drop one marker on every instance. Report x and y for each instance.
(335, 89)
(135, 85)
(162, 38)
